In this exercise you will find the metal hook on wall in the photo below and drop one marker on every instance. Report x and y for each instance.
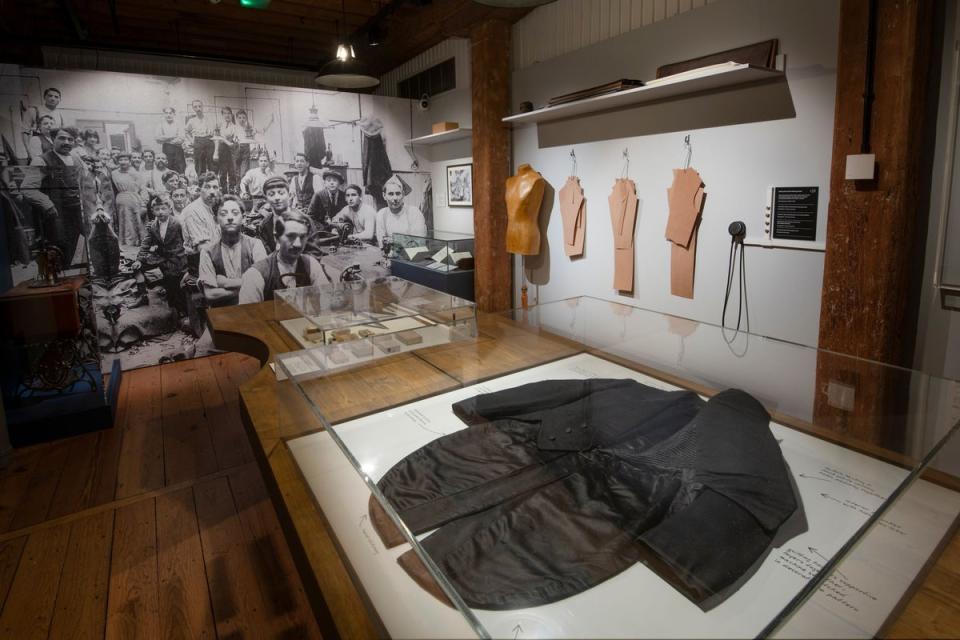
(573, 160)
(687, 151)
(626, 163)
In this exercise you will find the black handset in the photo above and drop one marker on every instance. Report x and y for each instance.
(737, 230)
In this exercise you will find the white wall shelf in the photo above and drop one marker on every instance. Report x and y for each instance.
(446, 136)
(800, 245)
(682, 84)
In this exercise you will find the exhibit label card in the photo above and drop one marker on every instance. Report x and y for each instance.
(795, 213)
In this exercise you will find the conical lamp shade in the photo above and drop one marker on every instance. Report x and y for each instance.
(345, 74)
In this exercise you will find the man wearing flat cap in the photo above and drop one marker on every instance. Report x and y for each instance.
(398, 217)
(329, 201)
(276, 191)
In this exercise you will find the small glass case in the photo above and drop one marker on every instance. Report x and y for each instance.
(442, 251)
(343, 324)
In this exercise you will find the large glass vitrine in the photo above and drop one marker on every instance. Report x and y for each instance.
(588, 469)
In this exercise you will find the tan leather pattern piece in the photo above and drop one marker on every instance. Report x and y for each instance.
(623, 216)
(524, 194)
(573, 212)
(415, 568)
(389, 534)
(684, 207)
(683, 256)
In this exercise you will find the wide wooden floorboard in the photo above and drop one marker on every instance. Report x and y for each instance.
(237, 607)
(199, 555)
(81, 606)
(141, 453)
(14, 481)
(10, 553)
(185, 609)
(40, 491)
(28, 609)
(133, 610)
(280, 588)
(223, 417)
(187, 445)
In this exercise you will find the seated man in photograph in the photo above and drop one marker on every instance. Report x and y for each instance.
(253, 181)
(200, 228)
(397, 217)
(359, 214)
(223, 263)
(305, 184)
(329, 201)
(161, 248)
(287, 266)
(277, 193)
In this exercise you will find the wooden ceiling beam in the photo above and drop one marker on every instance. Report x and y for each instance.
(230, 10)
(131, 18)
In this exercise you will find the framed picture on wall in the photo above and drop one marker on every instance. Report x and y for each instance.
(460, 185)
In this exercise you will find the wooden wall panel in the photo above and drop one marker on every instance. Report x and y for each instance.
(873, 258)
(491, 163)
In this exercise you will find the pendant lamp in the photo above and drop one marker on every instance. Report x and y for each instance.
(345, 71)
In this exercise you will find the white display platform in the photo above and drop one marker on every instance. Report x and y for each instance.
(840, 489)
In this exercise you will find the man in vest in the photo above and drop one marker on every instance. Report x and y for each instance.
(287, 266)
(223, 263)
(61, 203)
(162, 248)
(304, 184)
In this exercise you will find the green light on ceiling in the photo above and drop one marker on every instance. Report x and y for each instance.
(255, 4)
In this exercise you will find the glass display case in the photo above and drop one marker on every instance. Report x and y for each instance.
(348, 323)
(588, 469)
(442, 260)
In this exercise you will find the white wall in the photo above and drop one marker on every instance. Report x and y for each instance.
(568, 25)
(738, 163)
(450, 106)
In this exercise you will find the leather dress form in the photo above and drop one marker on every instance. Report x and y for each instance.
(559, 485)
(623, 216)
(685, 198)
(573, 212)
(524, 194)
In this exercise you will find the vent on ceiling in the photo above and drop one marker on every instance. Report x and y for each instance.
(437, 79)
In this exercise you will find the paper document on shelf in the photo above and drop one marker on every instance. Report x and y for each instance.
(693, 73)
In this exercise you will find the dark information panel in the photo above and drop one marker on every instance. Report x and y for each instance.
(795, 213)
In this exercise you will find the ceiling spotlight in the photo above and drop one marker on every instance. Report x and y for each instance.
(376, 35)
(255, 4)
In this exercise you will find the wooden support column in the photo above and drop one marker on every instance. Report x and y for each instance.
(875, 230)
(490, 64)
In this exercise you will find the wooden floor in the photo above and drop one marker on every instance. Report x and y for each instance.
(161, 527)
(158, 528)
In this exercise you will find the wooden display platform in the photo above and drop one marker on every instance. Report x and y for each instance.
(274, 412)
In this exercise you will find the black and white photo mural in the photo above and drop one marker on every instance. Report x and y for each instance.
(176, 195)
